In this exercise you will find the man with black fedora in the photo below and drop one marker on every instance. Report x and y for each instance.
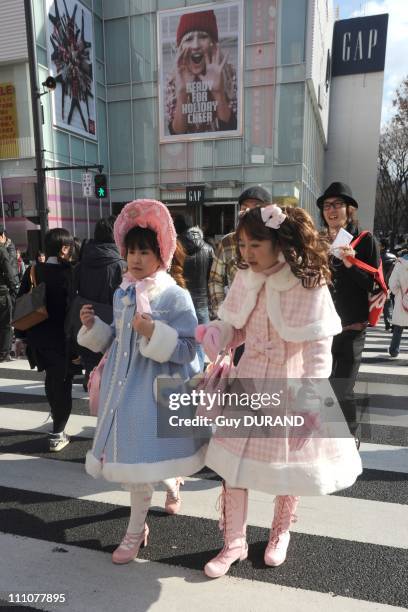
(350, 289)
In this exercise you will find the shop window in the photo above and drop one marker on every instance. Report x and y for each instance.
(292, 31)
(145, 134)
(259, 112)
(289, 123)
(117, 60)
(120, 137)
(102, 132)
(98, 33)
(143, 47)
(260, 21)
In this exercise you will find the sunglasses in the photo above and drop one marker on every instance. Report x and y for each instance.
(335, 205)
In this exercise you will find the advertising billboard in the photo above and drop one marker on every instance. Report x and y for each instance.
(8, 122)
(70, 61)
(200, 71)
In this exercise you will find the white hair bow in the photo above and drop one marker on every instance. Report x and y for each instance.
(273, 216)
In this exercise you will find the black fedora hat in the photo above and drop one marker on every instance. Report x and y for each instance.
(337, 190)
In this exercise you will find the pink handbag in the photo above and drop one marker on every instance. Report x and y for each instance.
(216, 378)
(94, 385)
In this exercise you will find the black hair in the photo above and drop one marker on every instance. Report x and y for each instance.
(182, 223)
(55, 239)
(384, 243)
(103, 231)
(142, 238)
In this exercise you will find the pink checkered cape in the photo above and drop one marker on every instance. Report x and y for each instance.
(288, 331)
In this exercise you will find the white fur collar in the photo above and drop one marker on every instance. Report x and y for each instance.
(282, 280)
(245, 289)
(250, 285)
(163, 282)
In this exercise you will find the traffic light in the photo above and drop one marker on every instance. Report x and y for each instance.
(101, 189)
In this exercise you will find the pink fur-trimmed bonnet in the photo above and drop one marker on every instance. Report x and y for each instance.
(151, 214)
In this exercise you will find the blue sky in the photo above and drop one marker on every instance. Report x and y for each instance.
(396, 59)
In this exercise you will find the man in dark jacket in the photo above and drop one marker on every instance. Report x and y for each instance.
(350, 290)
(9, 283)
(98, 274)
(197, 266)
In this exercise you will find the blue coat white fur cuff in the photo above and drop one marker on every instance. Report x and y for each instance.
(96, 339)
(162, 343)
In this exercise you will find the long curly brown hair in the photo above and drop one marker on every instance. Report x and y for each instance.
(304, 249)
(177, 265)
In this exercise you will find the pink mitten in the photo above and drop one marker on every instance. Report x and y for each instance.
(210, 337)
(311, 424)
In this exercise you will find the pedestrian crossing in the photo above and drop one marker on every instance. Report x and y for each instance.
(58, 526)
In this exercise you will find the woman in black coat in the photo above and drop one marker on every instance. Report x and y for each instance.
(350, 289)
(47, 345)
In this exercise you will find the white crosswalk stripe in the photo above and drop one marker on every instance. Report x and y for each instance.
(58, 526)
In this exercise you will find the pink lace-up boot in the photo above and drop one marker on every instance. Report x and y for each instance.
(234, 508)
(285, 506)
(173, 500)
(138, 531)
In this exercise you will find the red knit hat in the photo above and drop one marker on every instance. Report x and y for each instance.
(202, 21)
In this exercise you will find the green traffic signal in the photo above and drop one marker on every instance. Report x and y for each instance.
(101, 190)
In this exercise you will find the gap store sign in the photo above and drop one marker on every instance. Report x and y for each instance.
(359, 45)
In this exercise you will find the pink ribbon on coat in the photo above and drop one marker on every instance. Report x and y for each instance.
(259, 345)
(142, 291)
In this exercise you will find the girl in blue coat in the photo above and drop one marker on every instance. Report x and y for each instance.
(152, 335)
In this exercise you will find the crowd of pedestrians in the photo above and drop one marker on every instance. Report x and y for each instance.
(148, 297)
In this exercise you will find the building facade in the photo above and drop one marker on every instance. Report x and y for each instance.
(278, 52)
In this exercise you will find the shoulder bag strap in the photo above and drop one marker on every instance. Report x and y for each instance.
(32, 277)
(356, 241)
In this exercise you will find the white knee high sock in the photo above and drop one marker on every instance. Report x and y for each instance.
(140, 499)
(170, 484)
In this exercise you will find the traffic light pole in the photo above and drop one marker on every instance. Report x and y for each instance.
(98, 167)
(41, 194)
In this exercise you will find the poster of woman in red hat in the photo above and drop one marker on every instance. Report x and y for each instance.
(200, 71)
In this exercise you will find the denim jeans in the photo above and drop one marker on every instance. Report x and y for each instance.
(203, 317)
(395, 340)
(387, 312)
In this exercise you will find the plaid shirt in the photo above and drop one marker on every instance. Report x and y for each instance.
(223, 270)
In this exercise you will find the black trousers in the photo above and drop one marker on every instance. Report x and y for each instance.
(347, 350)
(58, 386)
(6, 333)
(239, 351)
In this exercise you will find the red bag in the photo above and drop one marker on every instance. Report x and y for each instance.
(379, 293)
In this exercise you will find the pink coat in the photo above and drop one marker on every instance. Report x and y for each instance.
(287, 330)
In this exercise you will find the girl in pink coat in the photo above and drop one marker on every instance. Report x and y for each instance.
(280, 306)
